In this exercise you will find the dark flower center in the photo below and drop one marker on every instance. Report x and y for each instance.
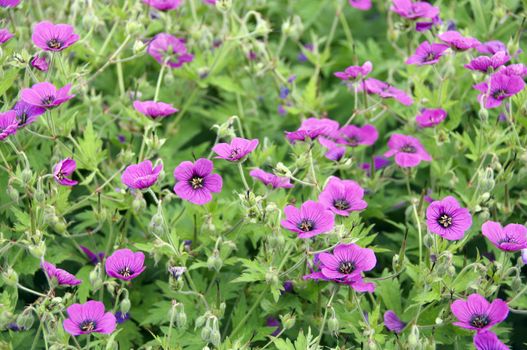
(48, 100)
(306, 225)
(87, 326)
(235, 153)
(346, 267)
(499, 94)
(408, 149)
(22, 118)
(430, 57)
(196, 182)
(507, 239)
(125, 272)
(445, 220)
(54, 44)
(353, 141)
(341, 204)
(479, 321)
(60, 175)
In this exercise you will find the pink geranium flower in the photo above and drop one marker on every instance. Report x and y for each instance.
(5, 35)
(502, 86)
(354, 72)
(39, 62)
(195, 181)
(363, 5)
(154, 109)
(169, 50)
(342, 196)
(457, 41)
(477, 314)
(53, 37)
(430, 117)
(271, 179)
(62, 277)
(236, 150)
(309, 220)
(385, 90)
(142, 175)
(63, 170)
(312, 128)
(427, 53)
(510, 238)
(414, 10)
(354, 136)
(125, 265)
(487, 64)
(89, 318)
(448, 219)
(407, 150)
(9, 3)
(393, 322)
(8, 124)
(163, 5)
(46, 95)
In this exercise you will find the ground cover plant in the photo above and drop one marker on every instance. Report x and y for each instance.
(295, 174)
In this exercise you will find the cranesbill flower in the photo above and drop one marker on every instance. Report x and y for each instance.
(510, 238)
(125, 265)
(407, 150)
(309, 220)
(311, 128)
(169, 50)
(414, 10)
(121, 317)
(8, 124)
(272, 180)
(89, 318)
(354, 72)
(487, 64)
(457, 41)
(210, 2)
(5, 35)
(427, 53)
(40, 63)
(334, 150)
(430, 117)
(62, 170)
(393, 322)
(93, 257)
(342, 196)
(363, 5)
(424, 26)
(195, 181)
(142, 175)
(346, 265)
(379, 162)
(476, 313)
(385, 90)
(354, 136)
(273, 322)
(26, 113)
(154, 109)
(236, 150)
(501, 87)
(9, 3)
(448, 219)
(488, 341)
(518, 69)
(46, 95)
(491, 47)
(53, 37)
(62, 277)
(163, 5)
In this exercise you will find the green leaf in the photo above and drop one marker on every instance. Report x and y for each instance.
(90, 149)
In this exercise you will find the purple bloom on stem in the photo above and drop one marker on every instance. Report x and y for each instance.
(488, 341)
(288, 287)
(26, 113)
(424, 26)
(407, 150)
(510, 238)
(301, 56)
(501, 87)
(379, 162)
(342, 196)
(93, 257)
(89, 318)
(124, 264)
(487, 64)
(414, 10)
(120, 317)
(141, 176)
(393, 322)
(271, 179)
(8, 124)
(5, 35)
(163, 5)
(46, 95)
(518, 69)
(62, 170)
(430, 117)
(53, 37)
(363, 5)
(448, 219)
(354, 72)
(477, 314)
(385, 90)
(169, 50)
(154, 109)
(274, 322)
(427, 53)
(457, 41)
(195, 181)
(354, 135)
(40, 63)
(284, 92)
(9, 3)
(335, 151)
(491, 47)
(236, 150)
(312, 128)
(63, 278)
(309, 220)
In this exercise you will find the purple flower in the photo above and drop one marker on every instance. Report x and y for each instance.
(141, 176)
(62, 170)
(487, 64)
(236, 150)
(154, 109)
(53, 37)
(9, 3)
(89, 318)
(414, 10)
(518, 69)
(40, 63)
(167, 48)
(448, 219)
(393, 322)
(124, 264)
(354, 72)
(195, 181)
(524, 256)
(379, 162)
(510, 238)
(63, 278)
(430, 117)
(301, 56)
(26, 113)
(5, 35)
(312, 128)
(310, 220)
(457, 41)
(273, 322)
(335, 151)
(120, 317)
(488, 341)
(407, 150)
(8, 124)
(284, 92)
(424, 26)
(476, 313)
(491, 47)
(362, 5)
(210, 2)
(288, 287)
(427, 53)
(354, 135)
(342, 196)
(93, 257)
(163, 5)
(46, 95)
(177, 271)
(346, 265)
(271, 179)
(501, 87)
(385, 90)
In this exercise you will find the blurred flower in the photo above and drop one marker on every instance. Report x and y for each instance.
(430, 117)
(354, 72)
(310, 220)
(89, 318)
(414, 10)
(510, 238)
(335, 151)
(311, 128)
(427, 53)
(154, 109)
(379, 162)
(142, 175)
(457, 41)
(274, 322)
(407, 150)
(5, 35)
(488, 341)
(354, 135)
(210, 2)
(163, 5)
(62, 170)
(236, 150)
(53, 37)
(287, 287)
(177, 271)
(491, 47)
(121, 317)
(501, 87)
(518, 69)
(424, 26)
(393, 322)
(169, 50)
(476, 313)
(8, 124)
(195, 181)
(284, 92)
(385, 90)
(362, 5)
(9, 3)
(40, 63)
(124, 264)
(61, 276)
(487, 64)
(93, 257)
(448, 219)
(46, 95)
(301, 56)
(342, 196)
(271, 179)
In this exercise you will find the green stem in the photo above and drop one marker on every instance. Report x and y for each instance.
(240, 168)
(160, 80)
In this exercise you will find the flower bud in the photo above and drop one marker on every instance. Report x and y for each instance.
(94, 277)
(413, 338)
(125, 305)
(333, 323)
(138, 204)
(223, 5)
(25, 319)
(214, 262)
(133, 27)
(10, 277)
(38, 250)
(13, 194)
(206, 333)
(271, 276)
(27, 175)
(288, 321)
(138, 47)
(428, 240)
(215, 338)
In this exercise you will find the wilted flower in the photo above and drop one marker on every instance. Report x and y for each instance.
(5, 35)
(39, 62)
(271, 179)
(9, 3)
(169, 50)
(312, 128)
(342, 196)
(414, 10)
(487, 64)
(163, 5)
(142, 175)
(354, 136)
(236, 150)
(53, 37)
(385, 90)
(46, 95)
(457, 41)
(62, 170)
(510, 238)
(8, 124)
(427, 53)
(354, 72)
(476, 313)
(309, 220)
(488, 341)
(63, 278)
(393, 322)
(501, 87)
(89, 318)
(448, 219)
(93, 257)
(407, 150)
(195, 181)
(125, 265)
(430, 117)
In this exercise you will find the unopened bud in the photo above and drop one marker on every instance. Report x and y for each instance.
(125, 305)
(288, 321)
(10, 277)
(214, 262)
